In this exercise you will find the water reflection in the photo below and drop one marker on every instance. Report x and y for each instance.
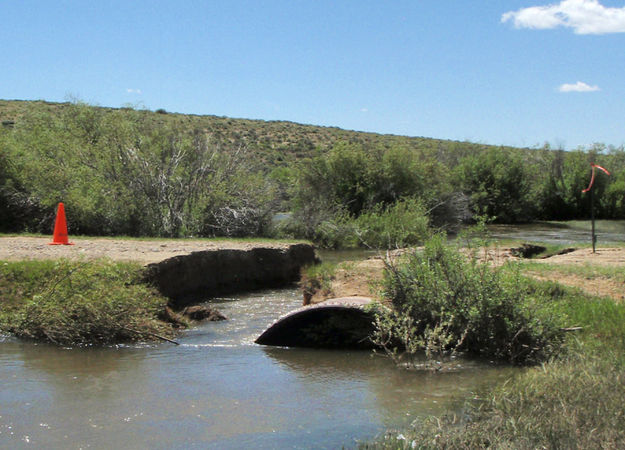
(398, 393)
(565, 233)
(216, 390)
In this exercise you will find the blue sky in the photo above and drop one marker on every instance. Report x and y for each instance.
(516, 73)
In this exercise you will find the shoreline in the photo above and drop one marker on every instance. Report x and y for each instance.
(111, 291)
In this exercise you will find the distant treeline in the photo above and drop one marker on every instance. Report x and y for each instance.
(141, 173)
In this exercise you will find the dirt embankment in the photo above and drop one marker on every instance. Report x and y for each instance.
(354, 279)
(182, 269)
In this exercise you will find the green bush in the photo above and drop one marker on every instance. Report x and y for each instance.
(354, 179)
(572, 401)
(447, 300)
(499, 184)
(400, 225)
(337, 232)
(119, 173)
(79, 303)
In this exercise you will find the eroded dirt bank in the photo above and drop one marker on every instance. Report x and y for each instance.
(214, 272)
(182, 269)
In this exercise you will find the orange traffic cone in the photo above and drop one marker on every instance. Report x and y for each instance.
(60, 228)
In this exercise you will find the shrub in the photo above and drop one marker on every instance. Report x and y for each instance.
(400, 225)
(77, 303)
(338, 232)
(446, 301)
(499, 184)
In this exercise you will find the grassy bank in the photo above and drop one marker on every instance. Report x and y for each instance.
(572, 400)
(79, 302)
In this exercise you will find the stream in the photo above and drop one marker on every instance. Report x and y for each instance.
(217, 389)
(220, 390)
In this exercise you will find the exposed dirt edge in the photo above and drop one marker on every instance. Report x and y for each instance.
(187, 279)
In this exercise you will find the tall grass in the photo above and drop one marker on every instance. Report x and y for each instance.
(79, 303)
(574, 402)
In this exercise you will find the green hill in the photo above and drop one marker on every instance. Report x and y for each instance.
(289, 138)
(139, 172)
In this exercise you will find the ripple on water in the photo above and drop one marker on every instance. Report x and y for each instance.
(217, 389)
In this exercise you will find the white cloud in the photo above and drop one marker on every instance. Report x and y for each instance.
(578, 87)
(584, 16)
(364, 110)
(133, 91)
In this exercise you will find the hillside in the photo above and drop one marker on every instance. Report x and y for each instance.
(289, 138)
(125, 171)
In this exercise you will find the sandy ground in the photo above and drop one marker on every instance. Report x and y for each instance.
(21, 248)
(604, 256)
(356, 279)
(602, 287)
(359, 278)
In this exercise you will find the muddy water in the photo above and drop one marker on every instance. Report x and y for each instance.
(216, 390)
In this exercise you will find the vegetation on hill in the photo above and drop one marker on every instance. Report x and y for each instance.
(142, 173)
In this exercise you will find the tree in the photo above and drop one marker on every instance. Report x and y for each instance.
(498, 184)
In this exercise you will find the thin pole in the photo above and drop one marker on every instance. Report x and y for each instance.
(592, 218)
(592, 200)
